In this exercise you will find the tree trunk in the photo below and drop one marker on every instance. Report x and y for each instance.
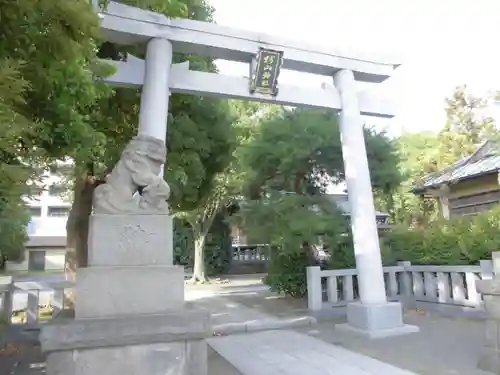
(77, 229)
(199, 257)
(310, 254)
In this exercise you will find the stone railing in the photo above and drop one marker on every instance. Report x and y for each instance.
(249, 259)
(250, 253)
(450, 285)
(31, 302)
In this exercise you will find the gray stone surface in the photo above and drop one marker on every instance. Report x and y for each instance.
(151, 359)
(34, 364)
(489, 359)
(288, 352)
(443, 346)
(116, 291)
(197, 357)
(90, 333)
(262, 325)
(377, 321)
(130, 240)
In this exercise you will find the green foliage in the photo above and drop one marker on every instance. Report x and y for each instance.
(460, 240)
(290, 159)
(48, 93)
(467, 126)
(200, 142)
(300, 151)
(289, 220)
(292, 225)
(418, 155)
(16, 161)
(422, 154)
(54, 43)
(287, 272)
(13, 221)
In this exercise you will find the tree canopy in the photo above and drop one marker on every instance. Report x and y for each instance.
(50, 61)
(46, 51)
(467, 127)
(300, 151)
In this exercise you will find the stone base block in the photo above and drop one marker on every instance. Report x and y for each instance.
(130, 240)
(376, 321)
(172, 343)
(120, 291)
(152, 359)
(490, 361)
(492, 305)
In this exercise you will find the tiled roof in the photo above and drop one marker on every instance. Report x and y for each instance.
(483, 161)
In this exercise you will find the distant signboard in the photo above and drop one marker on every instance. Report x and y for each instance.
(267, 69)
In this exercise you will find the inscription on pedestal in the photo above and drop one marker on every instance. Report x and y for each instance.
(130, 240)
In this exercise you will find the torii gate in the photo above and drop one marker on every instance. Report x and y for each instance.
(159, 77)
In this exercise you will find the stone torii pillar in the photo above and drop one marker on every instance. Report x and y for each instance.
(155, 93)
(372, 315)
(359, 188)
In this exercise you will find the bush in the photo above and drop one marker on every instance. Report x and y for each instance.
(461, 240)
(287, 272)
(289, 223)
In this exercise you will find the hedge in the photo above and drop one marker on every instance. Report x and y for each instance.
(457, 241)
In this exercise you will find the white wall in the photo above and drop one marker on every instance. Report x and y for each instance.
(18, 266)
(55, 259)
(46, 233)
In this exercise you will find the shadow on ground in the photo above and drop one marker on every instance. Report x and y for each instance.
(22, 359)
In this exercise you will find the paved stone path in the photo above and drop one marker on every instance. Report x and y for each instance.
(444, 346)
(290, 353)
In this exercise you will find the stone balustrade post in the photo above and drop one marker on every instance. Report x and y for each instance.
(490, 288)
(406, 285)
(486, 269)
(314, 290)
(7, 299)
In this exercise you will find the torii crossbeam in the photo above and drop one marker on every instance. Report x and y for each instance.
(125, 24)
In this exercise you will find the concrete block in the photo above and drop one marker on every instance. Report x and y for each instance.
(151, 359)
(492, 334)
(130, 240)
(197, 357)
(491, 286)
(492, 306)
(181, 325)
(490, 361)
(120, 291)
(375, 317)
(376, 321)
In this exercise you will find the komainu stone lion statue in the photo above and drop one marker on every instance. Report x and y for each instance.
(134, 186)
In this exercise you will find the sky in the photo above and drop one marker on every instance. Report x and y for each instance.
(440, 43)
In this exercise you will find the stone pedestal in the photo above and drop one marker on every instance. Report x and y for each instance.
(130, 316)
(490, 357)
(376, 321)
